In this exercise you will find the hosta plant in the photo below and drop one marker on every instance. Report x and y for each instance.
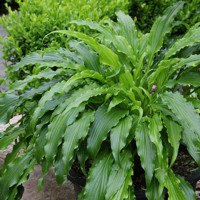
(96, 103)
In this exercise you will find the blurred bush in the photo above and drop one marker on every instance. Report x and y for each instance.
(145, 12)
(35, 19)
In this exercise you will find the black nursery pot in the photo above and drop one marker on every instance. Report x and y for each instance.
(79, 182)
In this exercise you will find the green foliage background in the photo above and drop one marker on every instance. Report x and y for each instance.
(146, 11)
(37, 18)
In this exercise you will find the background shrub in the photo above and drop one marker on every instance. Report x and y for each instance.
(37, 18)
(146, 11)
(10, 1)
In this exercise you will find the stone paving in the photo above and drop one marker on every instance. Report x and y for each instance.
(51, 190)
(2, 68)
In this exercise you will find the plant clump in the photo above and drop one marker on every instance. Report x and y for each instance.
(94, 101)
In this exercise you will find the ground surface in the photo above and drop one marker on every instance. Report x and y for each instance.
(3, 34)
(2, 68)
(51, 190)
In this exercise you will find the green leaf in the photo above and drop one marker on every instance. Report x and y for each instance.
(12, 155)
(49, 105)
(50, 59)
(155, 128)
(152, 191)
(167, 67)
(192, 78)
(184, 111)
(106, 55)
(193, 145)
(174, 190)
(15, 191)
(146, 150)
(81, 75)
(10, 136)
(73, 135)
(191, 37)
(1, 80)
(13, 173)
(160, 28)
(120, 177)
(45, 169)
(186, 188)
(40, 143)
(127, 29)
(135, 122)
(29, 94)
(82, 156)
(142, 45)
(159, 76)
(195, 102)
(8, 130)
(82, 95)
(131, 195)
(47, 74)
(8, 104)
(98, 178)
(102, 124)
(126, 190)
(161, 170)
(56, 131)
(114, 102)
(90, 58)
(120, 42)
(118, 137)
(60, 172)
(192, 61)
(185, 114)
(174, 136)
(46, 97)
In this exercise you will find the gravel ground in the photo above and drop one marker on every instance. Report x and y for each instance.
(2, 68)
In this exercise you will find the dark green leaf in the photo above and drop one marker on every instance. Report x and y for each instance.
(98, 178)
(174, 136)
(103, 123)
(160, 28)
(73, 135)
(192, 78)
(9, 137)
(146, 150)
(186, 188)
(56, 131)
(118, 137)
(155, 127)
(8, 104)
(13, 173)
(120, 177)
(172, 184)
